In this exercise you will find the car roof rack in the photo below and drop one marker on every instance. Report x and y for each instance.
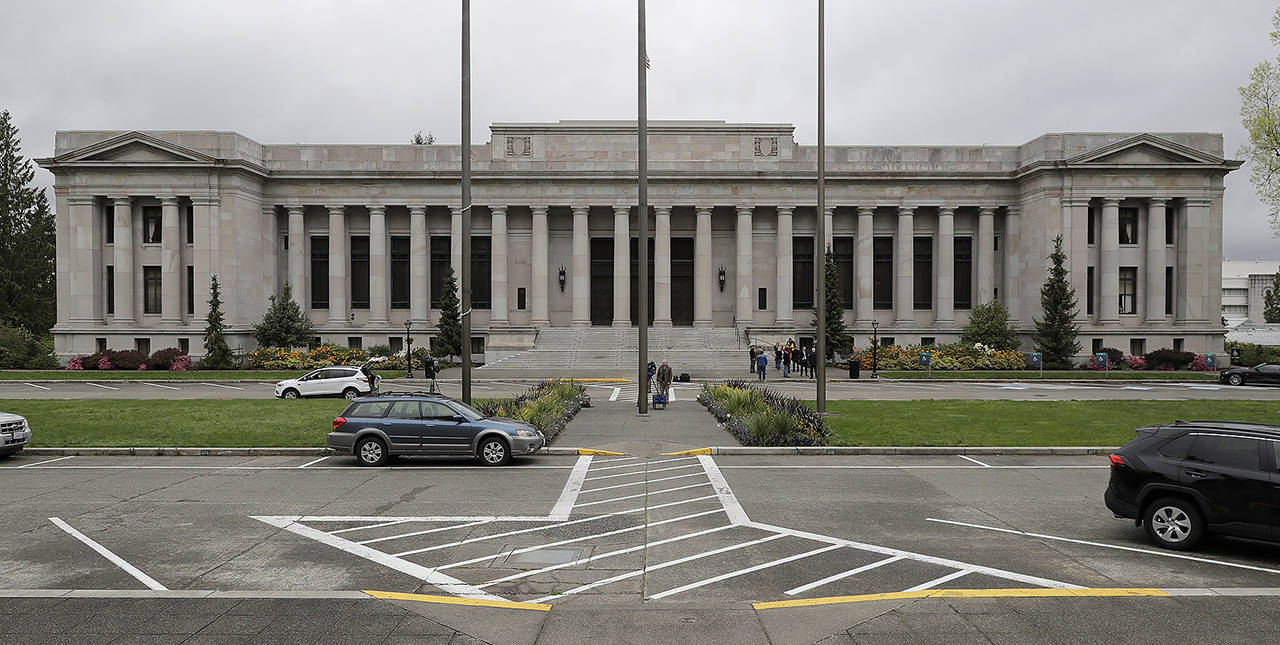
(422, 393)
(1247, 426)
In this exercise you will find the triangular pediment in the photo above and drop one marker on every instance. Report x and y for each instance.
(1144, 149)
(136, 147)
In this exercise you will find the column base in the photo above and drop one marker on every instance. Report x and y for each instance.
(381, 322)
(580, 323)
(620, 324)
(703, 324)
(786, 322)
(904, 323)
(661, 323)
(540, 323)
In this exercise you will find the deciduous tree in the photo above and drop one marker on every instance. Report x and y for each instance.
(1260, 115)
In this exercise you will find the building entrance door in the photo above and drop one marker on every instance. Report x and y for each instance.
(602, 281)
(635, 281)
(682, 281)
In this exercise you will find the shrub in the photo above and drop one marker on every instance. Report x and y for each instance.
(549, 406)
(1168, 359)
(161, 359)
(20, 349)
(104, 363)
(1198, 364)
(1135, 362)
(379, 350)
(326, 355)
(75, 363)
(128, 360)
(1114, 356)
(180, 363)
(763, 417)
(1252, 354)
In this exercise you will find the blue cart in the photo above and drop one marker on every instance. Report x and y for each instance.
(659, 401)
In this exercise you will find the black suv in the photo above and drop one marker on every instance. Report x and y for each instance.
(1188, 478)
(376, 428)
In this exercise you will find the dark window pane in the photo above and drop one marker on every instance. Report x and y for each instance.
(1170, 219)
(1089, 292)
(1232, 452)
(1128, 226)
(762, 298)
(359, 272)
(922, 273)
(842, 249)
(521, 301)
(190, 220)
(1092, 219)
(400, 272)
(964, 272)
(882, 272)
(150, 224)
(404, 410)
(151, 290)
(1128, 289)
(191, 290)
(109, 228)
(111, 289)
(320, 272)
(802, 276)
(481, 276)
(1168, 291)
(441, 256)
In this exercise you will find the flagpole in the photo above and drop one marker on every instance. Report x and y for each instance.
(642, 211)
(820, 267)
(466, 201)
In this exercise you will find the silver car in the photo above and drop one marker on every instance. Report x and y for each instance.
(14, 433)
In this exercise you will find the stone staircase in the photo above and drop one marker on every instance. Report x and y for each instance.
(696, 351)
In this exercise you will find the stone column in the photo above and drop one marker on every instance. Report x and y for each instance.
(828, 241)
(455, 250)
(1155, 305)
(378, 266)
(622, 266)
(1197, 276)
(540, 269)
(945, 267)
(986, 259)
(744, 278)
(904, 268)
(1075, 216)
(1109, 266)
(419, 265)
(580, 281)
(703, 272)
(79, 270)
(171, 261)
(338, 262)
(1009, 290)
(662, 267)
(866, 286)
(498, 266)
(124, 280)
(298, 258)
(782, 299)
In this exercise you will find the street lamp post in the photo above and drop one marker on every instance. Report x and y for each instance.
(408, 352)
(875, 345)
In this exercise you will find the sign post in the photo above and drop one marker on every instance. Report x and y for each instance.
(1037, 361)
(927, 360)
(1102, 361)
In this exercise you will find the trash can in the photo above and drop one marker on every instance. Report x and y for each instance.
(855, 367)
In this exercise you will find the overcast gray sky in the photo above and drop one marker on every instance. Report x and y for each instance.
(901, 72)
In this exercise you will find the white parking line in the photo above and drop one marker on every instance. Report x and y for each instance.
(105, 387)
(1117, 547)
(167, 387)
(730, 502)
(572, 488)
(315, 461)
(650, 494)
(662, 565)
(1136, 387)
(651, 463)
(1213, 388)
(115, 559)
(937, 581)
(227, 387)
(616, 392)
(37, 386)
(435, 530)
(650, 481)
(671, 395)
(842, 575)
(643, 472)
(742, 572)
(967, 458)
(367, 526)
(47, 461)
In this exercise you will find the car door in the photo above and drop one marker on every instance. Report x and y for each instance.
(446, 430)
(1227, 472)
(403, 426)
(310, 385)
(1269, 373)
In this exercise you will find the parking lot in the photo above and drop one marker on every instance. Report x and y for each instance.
(584, 533)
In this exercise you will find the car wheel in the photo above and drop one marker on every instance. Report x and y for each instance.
(370, 451)
(1235, 379)
(350, 393)
(494, 452)
(1174, 523)
(290, 394)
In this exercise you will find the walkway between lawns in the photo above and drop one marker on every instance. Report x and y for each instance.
(684, 425)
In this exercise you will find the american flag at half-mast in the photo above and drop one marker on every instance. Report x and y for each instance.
(646, 61)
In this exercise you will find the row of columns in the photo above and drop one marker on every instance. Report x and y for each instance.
(1109, 261)
(126, 268)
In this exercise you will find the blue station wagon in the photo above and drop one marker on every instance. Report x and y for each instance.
(376, 428)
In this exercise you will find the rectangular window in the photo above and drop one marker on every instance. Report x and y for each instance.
(964, 272)
(1168, 291)
(842, 250)
(109, 230)
(395, 343)
(762, 298)
(151, 224)
(150, 290)
(1128, 226)
(359, 272)
(520, 298)
(1177, 344)
(440, 265)
(101, 343)
(481, 268)
(922, 278)
(1128, 289)
(1092, 223)
(1096, 345)
(477, 344)
(111, 289)
(189, 219)
(1170, 219)
(319, 272)
(882, 273)
(142, 345)
(284, 241)
(191, 290)
(184, 345)
(802, 272)
(1088, 291)
(886, 341)
(996, 242)
(1137, 346)
(355, 342)
(927, 340)
(399, 272)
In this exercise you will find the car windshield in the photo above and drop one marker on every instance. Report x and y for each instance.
(467, 411)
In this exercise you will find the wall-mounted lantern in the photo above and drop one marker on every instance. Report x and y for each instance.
(721, 278)
(562, 279)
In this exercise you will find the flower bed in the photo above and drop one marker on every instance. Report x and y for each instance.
(762, 417)
(957, 356)
(549, 406)
(171, 359)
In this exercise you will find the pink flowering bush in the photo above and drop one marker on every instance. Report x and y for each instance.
(75, 364)
(180, 363)
(1135, 362)
(104, 363)
(142, 367)
(1198, 364)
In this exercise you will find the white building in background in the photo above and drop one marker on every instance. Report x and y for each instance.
(364, 233)
(1244, 285)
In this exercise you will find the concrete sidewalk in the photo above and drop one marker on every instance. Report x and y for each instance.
(684, 425)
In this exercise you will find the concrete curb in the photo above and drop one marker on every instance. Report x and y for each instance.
(563, 451)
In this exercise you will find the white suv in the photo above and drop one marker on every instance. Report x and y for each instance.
(344, 380)
(14, 433)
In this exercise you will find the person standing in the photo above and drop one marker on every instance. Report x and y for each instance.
(752, 355)
(777, 357)
(664, 380)
(803, 361)
(762, 364)
(786, 362)
(813, 364)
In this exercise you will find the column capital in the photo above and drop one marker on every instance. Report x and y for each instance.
(662, 210)
(120, 200)
(580, 210)
(866, 210)
(786, 209)
(417, 210)
(703, 209)
(1012, 211)
(906, 210)
(377, 208)
(80, 200)
(538, 210)
(622, 210)
(1111, 201)
(1157, 201)
(986, 210)
(172, 200)
(501, 208)
(267, 209)
(829, 210)
(947, 209)
(1202, 202)
(336, 209)
(295, 209)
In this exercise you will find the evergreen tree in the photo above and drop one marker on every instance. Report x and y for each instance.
(27, 282)
(420, 140)
(284, 324)
(989, 325)
(1056, 333)
(449, 336)
(837, 337)
(217, 356)
(1271, 301)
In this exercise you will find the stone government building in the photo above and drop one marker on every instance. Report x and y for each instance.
(364, 233)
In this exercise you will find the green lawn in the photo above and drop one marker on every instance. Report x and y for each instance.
(1021, 423)
(1184, 375)
(192, 375)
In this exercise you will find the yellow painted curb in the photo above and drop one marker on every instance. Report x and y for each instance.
(454, 600)
(696, 451)
(606, 453)
(1099, 592)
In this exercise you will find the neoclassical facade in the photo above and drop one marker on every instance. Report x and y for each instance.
(365, 234)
